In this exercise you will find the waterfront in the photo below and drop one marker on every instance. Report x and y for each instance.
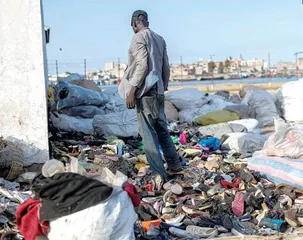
(230, 85)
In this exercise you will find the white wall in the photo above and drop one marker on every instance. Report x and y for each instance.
(23, 77)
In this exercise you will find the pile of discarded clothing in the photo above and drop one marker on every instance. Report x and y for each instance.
(242, 159)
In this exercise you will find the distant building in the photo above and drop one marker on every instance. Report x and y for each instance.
(286, 66)
(252, 65)
(109, 66)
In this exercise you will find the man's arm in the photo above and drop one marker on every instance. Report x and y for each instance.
(140, 54)
(165, 69)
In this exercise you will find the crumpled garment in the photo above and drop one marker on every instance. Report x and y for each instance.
(182, 138)
(28, 222)
(133, 194)
(67, 193)
(212, 143)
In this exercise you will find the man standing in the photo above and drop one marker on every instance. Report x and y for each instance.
(143, 85)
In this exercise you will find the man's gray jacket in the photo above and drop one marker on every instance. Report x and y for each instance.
(147, 64)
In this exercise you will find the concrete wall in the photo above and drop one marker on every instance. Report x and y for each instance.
(23, 78)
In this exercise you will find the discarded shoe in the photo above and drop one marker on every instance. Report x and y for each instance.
(290, 217)
(175, 221)
(179, 233)
(275, 224)
(190, 211)
(238, 204)
(176, 189)
(202, 232)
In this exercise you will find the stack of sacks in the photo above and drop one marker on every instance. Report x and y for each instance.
(290, 99)
(76, 106)
(192, 103)
(281, 158)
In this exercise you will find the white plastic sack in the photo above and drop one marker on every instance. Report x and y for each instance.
(217, 103)
(287, 141)
(187, 98)
(250, 124)
(219, 129)
(290, 98)
(69, 95)
(243, 143)
(171, 112)
(68, 124)
(120, 124)
(111, 219)
(263, 104)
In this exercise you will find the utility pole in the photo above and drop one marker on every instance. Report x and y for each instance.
(119, 80)
(181, 68)
(212, 72)
(269, 84)
(85, 69)
(297, 65)
(57, 69)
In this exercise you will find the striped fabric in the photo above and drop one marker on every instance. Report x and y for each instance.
(279, 170)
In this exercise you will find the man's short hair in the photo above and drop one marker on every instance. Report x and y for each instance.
(140, 16)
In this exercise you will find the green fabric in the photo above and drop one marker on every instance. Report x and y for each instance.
(215, 117)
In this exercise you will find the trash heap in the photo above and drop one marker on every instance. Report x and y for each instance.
(242, 159)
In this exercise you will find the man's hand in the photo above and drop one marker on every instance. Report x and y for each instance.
(130, 100)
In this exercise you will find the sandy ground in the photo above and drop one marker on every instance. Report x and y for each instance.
(231, 87)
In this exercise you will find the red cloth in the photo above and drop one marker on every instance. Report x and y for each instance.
(28, 222)
(133, 194)
(227, 184)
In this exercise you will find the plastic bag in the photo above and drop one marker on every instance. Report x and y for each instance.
(108, 177)
(242, 110)
(290, 99)
(250, 124)
(263, 104)
(112, 219)
(218, 130)
(214, 117)
(171, 112)
(51, 167)
(287, 141)
(187, 98)
(120, 124)
(243, 143)
(83, 111)
(215, 103)
(69, 95)
(68, 124)
(248, 88)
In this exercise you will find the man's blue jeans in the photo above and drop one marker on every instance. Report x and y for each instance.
(153, 130)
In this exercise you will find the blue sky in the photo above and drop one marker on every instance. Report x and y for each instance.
(99, 30)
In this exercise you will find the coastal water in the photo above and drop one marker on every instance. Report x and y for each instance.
(227, 81)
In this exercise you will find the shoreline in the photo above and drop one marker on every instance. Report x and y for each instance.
(231, 87)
